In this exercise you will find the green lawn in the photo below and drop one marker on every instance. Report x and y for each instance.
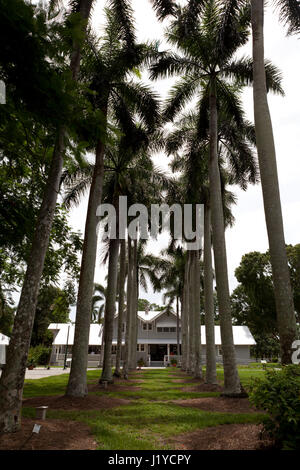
(150, 418)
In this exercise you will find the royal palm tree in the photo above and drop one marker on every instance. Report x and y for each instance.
(106, 67)
(235, 144)
(121, 305)
(211, 70)
(12, 379)
(290, 14)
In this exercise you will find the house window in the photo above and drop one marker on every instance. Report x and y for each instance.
(140, 347)
(149, 326)
(114, 349)
(220, 353)
(144, 326)
(166, 329)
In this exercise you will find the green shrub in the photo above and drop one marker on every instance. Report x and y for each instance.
(39, 355)
(141, 362)
(278, 393)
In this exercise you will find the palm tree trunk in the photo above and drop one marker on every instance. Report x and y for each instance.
(177, 328)
(211, 372)
(122, 275)
(128, 331)
(184, 319)
(191, 317)
(197, 321)
(187, 313)
(12, 378)
(102, 344)
(110, 308)
(231, 378)
(270, 188)
(134, 321)
(77, 385)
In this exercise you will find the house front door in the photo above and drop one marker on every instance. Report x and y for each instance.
(158, 351)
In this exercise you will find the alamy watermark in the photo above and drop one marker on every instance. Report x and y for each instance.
(185, 221)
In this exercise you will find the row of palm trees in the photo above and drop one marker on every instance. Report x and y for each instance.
(212, 146)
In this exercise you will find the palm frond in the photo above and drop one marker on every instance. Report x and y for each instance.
(144, 102)
(241, 71)
(169, 64)
(123, 14)
(289, 14)
(164, 8)
(230, 101)
(234, 31)
(180, 94)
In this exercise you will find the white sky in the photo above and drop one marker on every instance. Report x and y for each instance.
(249, 232)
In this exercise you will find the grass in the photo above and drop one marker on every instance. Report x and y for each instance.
(150, 419)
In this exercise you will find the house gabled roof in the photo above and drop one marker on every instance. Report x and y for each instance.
(60, 331)
(241, 336)
(152, 315)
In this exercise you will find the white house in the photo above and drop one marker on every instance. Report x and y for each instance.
(4, 342)
(157, 340)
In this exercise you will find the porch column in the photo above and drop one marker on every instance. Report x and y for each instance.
(168, 349)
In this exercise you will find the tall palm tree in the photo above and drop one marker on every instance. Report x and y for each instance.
(121, 304)
(290, 14)
(212, 71)
(107, 66)
(12, 379)
(235, 143)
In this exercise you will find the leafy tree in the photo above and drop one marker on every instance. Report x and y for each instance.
(143, 305)
(56, 79)
(253, 301)
(52, 307)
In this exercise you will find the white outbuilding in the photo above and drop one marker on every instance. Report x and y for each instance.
(4, 342)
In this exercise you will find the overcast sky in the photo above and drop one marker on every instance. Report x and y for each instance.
(249, 232)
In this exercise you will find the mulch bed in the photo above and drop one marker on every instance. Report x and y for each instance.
(219, 404)
(90, 402)
(55, 434)
(203, 387)
(112, 388)
(224, 437)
